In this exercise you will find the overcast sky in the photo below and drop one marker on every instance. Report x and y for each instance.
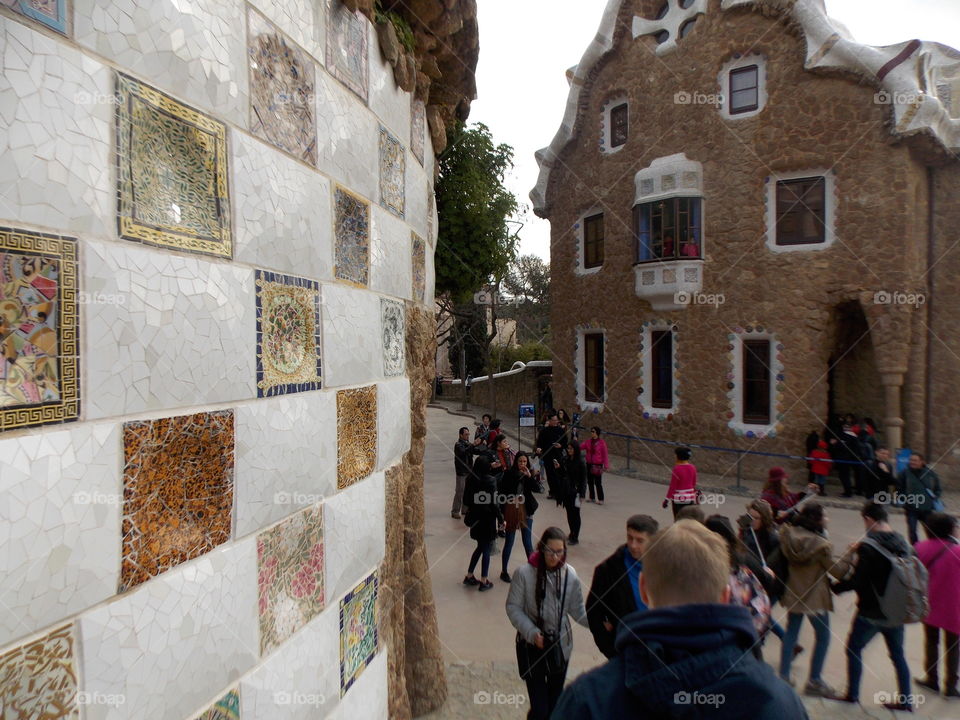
(526, 47)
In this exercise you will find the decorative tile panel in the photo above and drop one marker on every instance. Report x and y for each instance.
(171, 172)
(419, 267)
(281, 90)
(358, 631)
(288, 334)
(39, 679)
(352, 233)
(394, 337)
(52, 13)
(39, 334)
(347, 47)
(418, 126)
(668, 182)
(356, 434)
(392, 172)
(290, 577)
(177, 489)
(226, 708)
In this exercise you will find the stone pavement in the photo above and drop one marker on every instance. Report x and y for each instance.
(477, 639)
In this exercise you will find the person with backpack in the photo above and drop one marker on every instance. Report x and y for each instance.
(891, 585)
(483, 517)
(941, 556)
(921, 486)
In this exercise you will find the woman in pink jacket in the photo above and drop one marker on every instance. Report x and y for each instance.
(941, 556)
(595, 455)
(683, 482)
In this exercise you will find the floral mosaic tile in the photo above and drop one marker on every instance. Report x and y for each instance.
(281, 90)
(352, 237)
(356, 434)
(39, 679)
(347, 47)
(290, 576)
(177, 491)
(39, 335)
(394, 337)
(419, 261)
(226, 708)
(171, 172)
(52, 13)
(288, 334)
(418, 128)
(392, 172)
(358, 631)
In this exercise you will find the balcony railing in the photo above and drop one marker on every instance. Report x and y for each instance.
(668, 284)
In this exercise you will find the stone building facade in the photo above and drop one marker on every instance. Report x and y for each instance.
(754, 224)
(216, 285)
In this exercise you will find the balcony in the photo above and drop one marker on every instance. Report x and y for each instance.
(669, 284)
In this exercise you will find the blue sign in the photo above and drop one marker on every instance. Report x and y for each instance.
(527, 415)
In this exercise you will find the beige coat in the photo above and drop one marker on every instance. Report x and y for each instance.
(811, 565)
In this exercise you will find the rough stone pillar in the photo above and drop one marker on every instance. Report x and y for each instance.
(892, 419)
(890, 327)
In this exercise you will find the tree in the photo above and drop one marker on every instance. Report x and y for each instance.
(528, 284)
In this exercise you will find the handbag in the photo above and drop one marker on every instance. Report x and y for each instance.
(596, 469)
(937, 505)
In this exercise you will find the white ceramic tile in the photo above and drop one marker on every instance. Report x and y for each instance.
(417, 189)
(431, 277)
(286, 456)
(193, 49)
(352, 342)
(303, 20)
(56, 120)
(167, 644)
(387, 100)
(301, 679)
(393, 421)
(353, 531)
(390, 251)
(367, 697)
(60, 495)
(348, 138)
(282, 211)
(180, 331)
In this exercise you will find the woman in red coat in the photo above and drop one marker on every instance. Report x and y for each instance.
(595, 455)
(941, 556)
(776, 492)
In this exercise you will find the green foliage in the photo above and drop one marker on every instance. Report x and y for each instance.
(475, 244)
(400, 24)
(503, 358)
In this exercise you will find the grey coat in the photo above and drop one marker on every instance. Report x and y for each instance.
(522, 606)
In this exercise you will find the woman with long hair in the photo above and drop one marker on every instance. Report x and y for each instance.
(572, 480)
(544, 595)
(598, 461)
(483, 516)
(518, 505)
(776, 492)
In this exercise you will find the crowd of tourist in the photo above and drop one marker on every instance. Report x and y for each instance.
(682, 612)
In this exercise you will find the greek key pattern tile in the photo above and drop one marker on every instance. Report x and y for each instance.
(356, 434)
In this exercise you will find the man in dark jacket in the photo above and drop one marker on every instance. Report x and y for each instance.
(690, 654)
(615, 591)
(462, 463)
(550, 444)
(869, 580)
(920, 485)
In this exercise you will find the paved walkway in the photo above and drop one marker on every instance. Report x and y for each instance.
(478, 639)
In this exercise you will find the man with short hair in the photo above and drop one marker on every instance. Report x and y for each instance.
(869, 580)
(921, 487)
(462, 463)
(550, 444)
(615, 591)
(483, 429)
(690, 653)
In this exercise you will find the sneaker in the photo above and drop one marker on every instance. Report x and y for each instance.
(925, 682)
(505, 576)
(485, 585)
(455, 515)
(470, 580)
(818, 688)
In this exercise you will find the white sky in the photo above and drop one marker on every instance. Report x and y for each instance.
(526, 47)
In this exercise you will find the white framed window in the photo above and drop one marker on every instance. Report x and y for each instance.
(659, 372)
(590, 232)
(743, 86)
(756, 374)
(614, 124)
(668, 210)
(591, 367)
(801, 210)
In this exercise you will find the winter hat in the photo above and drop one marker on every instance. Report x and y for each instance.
(776, 473)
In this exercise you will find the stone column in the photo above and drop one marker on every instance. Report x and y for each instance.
(892, 421)
(890, 327)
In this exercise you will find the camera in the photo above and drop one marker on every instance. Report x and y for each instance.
(745, 521)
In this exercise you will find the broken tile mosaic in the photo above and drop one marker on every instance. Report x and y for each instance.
(52, 13)
(281, 90)
(392, 170)
(290, 576)
(177, 491)
(394, 340)
(347, 47)
(358, 631)
(288, 334)
(419, 262)
(39, 329)
(352, 236)
(39, 679)
(171, 172)
(226, 708)
(356, 434)
(418, 125)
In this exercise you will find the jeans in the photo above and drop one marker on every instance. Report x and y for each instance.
(458, 494)
(861, 633)
(931, 655)
(526, 536)
(913, 519)
(821, 633)
(482, 550)
(544, 691)
(595, 481)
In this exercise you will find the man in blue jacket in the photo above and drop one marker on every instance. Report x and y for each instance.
(690, 654)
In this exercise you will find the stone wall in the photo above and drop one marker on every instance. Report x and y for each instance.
(216, 271)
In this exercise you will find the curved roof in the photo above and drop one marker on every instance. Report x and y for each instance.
(913, 76)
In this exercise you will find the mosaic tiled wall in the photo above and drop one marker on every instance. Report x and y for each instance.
(226, 708)
(347, 40)
(352, 234)
(418, 128)
(358, 631)
(52, 13)
(392, 169)
(394, 339)
(419, 268)
(39, 679)
(356, 434)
